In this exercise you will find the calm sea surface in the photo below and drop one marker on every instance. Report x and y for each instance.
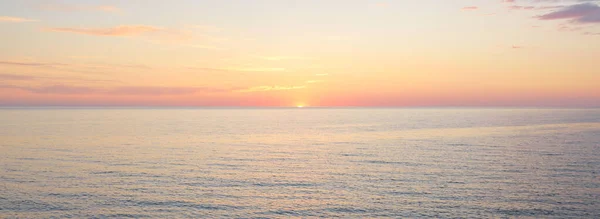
(272, 163)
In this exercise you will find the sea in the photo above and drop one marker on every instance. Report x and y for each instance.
(299, 163)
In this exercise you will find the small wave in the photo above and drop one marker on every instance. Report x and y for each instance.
(104, 172)
(27, 158)
(526, 212)
(346, 210)
(459, 144)
(71, 195)
(356, 155)
(30, 206)
(284, 184)
(391, 163)
(285, 213)
(408, 193)
(123, 215)
(185, 204)
(224, 165)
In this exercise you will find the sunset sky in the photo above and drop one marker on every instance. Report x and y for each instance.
(310, 52)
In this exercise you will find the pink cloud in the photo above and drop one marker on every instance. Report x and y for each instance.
(154, 34)
(518, 7)
(470, 8)
(21, 77)
(120, 90)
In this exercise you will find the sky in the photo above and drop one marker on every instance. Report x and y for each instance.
(405, 53)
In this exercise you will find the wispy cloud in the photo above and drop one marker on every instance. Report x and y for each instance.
(150, 90)
(123, 90)
(11, 77)
(54, 89)
(241, 69)
(72, 8)
(29, 63)
(123, 30)
(15, 19)
(63, 89)
(280, 58)
(270, 88)
(148, 33)
(21, 77)
(470, 8)
(77, 66)
(257, 69)
(520, 7)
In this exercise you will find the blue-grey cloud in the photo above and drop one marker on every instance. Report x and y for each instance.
(580, 13)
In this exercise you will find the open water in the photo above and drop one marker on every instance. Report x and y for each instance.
(280, 163)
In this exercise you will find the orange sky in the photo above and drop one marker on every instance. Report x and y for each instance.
(289, 53)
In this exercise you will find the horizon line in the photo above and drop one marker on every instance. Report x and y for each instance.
(287, 107)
